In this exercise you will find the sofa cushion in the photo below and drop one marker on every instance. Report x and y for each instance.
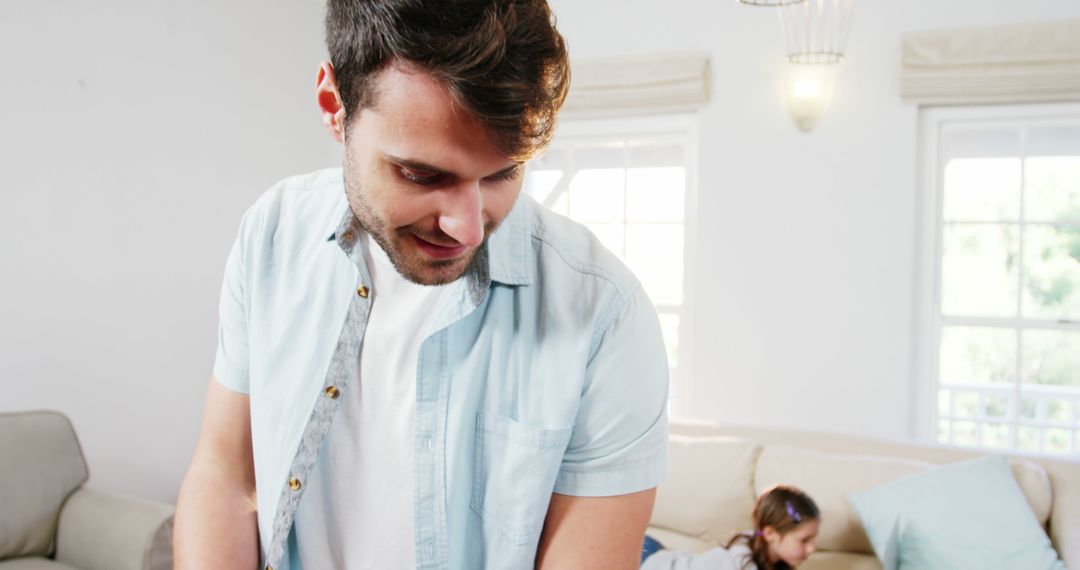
(42, 466)
(970, 514)
(709, 493)
(34, 563)
(840, 561)
(829, 478)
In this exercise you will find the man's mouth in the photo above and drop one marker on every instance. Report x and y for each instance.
(437, 251)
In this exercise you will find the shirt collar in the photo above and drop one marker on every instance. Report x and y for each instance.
(510, 249)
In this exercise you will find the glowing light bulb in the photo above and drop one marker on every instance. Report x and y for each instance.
(805, 89)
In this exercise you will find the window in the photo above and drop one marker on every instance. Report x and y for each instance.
(1004, 326)
(628, 181)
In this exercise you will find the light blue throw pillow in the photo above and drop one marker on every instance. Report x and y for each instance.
(964, 515)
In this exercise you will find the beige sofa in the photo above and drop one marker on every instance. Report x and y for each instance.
(50, 521)
(715, 473)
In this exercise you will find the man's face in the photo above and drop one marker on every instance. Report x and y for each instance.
(424, 178)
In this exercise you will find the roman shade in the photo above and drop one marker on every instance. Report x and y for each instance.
(1005, 64)
(634, 85)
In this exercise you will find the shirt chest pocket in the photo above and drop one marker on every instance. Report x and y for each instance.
(515, 470)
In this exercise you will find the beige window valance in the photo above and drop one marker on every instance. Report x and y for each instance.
(1004, 64)
(638, 85)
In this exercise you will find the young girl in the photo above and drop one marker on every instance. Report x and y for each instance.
(786, 523)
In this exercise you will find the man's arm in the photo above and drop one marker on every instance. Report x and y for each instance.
(215, 525)
(595, 532)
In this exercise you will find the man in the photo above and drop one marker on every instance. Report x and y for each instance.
(417, 367)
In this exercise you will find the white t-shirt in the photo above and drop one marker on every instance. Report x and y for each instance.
(357, 509)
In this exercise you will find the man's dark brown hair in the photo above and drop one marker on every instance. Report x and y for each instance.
(502, 60)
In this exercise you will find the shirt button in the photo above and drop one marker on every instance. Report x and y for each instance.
(347, 236)
(429, 550)
(332, 392)
(362, 290)
(268, 567)
(429, 443)
(294, 484)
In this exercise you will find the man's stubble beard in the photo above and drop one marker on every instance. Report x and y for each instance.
(409, 269)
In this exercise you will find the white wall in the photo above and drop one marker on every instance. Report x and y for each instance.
(805, 248)
(134, 133)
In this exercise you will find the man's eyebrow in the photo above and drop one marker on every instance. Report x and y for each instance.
(417, 165)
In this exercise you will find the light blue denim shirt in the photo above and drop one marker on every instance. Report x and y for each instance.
(547, 373)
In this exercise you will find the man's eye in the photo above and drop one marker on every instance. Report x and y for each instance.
(420, 177)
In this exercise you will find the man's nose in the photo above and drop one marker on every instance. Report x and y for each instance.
(462, 217)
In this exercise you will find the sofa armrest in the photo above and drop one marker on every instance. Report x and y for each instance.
(98, 531)
(1065, 521)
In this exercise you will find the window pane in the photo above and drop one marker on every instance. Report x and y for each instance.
(646, 153)
(552, 159)
(596, 195)
(1028, 409)
(1056, 440)
(997, 407)
(1055, 140)
(600, 155)
(562, 204)
(655, 194)
(943, 431)
(611, 235)
(980, 141)
(655, 254)
(967, 404)
(540, 183)
(982, 189)
(1027, 438)
(1051, 357)
(943, 408)
(995, 435)
(977, 355)
(1059, 411)
(978, 271)
(1052, 188)
(965, 433)
(1052, 272)
(669, 325)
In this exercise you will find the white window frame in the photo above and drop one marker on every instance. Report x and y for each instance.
(684, 128)
(927, 319)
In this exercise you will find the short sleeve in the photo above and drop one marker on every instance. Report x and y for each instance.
(231, 362)
(619, 441)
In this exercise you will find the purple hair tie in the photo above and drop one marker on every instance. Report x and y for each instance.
(792, 512)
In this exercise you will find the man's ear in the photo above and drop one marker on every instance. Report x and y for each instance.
(328, 98)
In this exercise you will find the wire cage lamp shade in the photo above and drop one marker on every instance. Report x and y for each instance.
(769, 2)
(816, 31)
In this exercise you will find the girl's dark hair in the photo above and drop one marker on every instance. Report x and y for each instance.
(502, 60)
(783, 508)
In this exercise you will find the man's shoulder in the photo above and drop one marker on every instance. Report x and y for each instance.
(302, 193)
(564, 245)
(313, 200)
